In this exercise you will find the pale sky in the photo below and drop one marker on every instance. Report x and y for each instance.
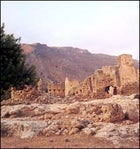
(109, 27)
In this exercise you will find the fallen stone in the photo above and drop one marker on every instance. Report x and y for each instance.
(89, 131)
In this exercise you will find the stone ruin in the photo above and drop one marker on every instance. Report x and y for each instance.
(70, 85)
(40, 85)
(28, 93)
(119, 79)
(57, 89)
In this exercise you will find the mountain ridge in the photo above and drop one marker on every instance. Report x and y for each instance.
(57, 63)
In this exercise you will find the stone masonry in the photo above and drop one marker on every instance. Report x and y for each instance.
(57, 89)
(121, 77)
(70, 85)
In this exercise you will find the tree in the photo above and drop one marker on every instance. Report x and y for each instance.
(15, 72)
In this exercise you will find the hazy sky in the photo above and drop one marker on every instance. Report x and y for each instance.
(100, 27)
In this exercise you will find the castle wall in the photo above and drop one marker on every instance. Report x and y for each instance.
(127, 71)
(28, 93)
(57, 89)
(121, 77)
(69, 85)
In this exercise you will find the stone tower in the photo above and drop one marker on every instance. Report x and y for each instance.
(123, 78)
(127, 71)
(69, 84)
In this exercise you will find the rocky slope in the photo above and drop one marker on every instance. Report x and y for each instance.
(56, 63)
(115, 118)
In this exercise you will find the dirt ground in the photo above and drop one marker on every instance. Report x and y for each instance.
(73, 141)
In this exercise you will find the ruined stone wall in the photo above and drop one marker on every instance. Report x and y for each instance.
(128, 73)
(40, 85)
(28, 93)
(112, 72)
(69, 85)
(124, 78)
(57, 89)
(130, 88)
(95, 84)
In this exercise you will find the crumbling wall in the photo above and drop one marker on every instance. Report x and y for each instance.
(119, 79)
(130, 88)
(28, 93)
(57, 89)
(69, 85)
(122, 79)
(127, 71)
(40, 85)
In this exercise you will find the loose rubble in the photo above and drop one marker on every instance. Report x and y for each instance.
(114, 118)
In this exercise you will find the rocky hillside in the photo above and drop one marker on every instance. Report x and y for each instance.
(115, 119)
(56, 63)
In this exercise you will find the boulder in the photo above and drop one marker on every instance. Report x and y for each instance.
(80, 124)
(89, 131)
(22, 128)
(73, 108)
(133, 115)
(105, 112)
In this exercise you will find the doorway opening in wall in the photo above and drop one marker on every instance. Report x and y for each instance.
(107, 89)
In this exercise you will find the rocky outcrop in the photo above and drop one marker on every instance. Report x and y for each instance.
(22, 128)
(93, 117)
(117, 132)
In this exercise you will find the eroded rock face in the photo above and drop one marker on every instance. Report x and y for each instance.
(22, 128)
(112, 131)
(111, 113)
(111, 117)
